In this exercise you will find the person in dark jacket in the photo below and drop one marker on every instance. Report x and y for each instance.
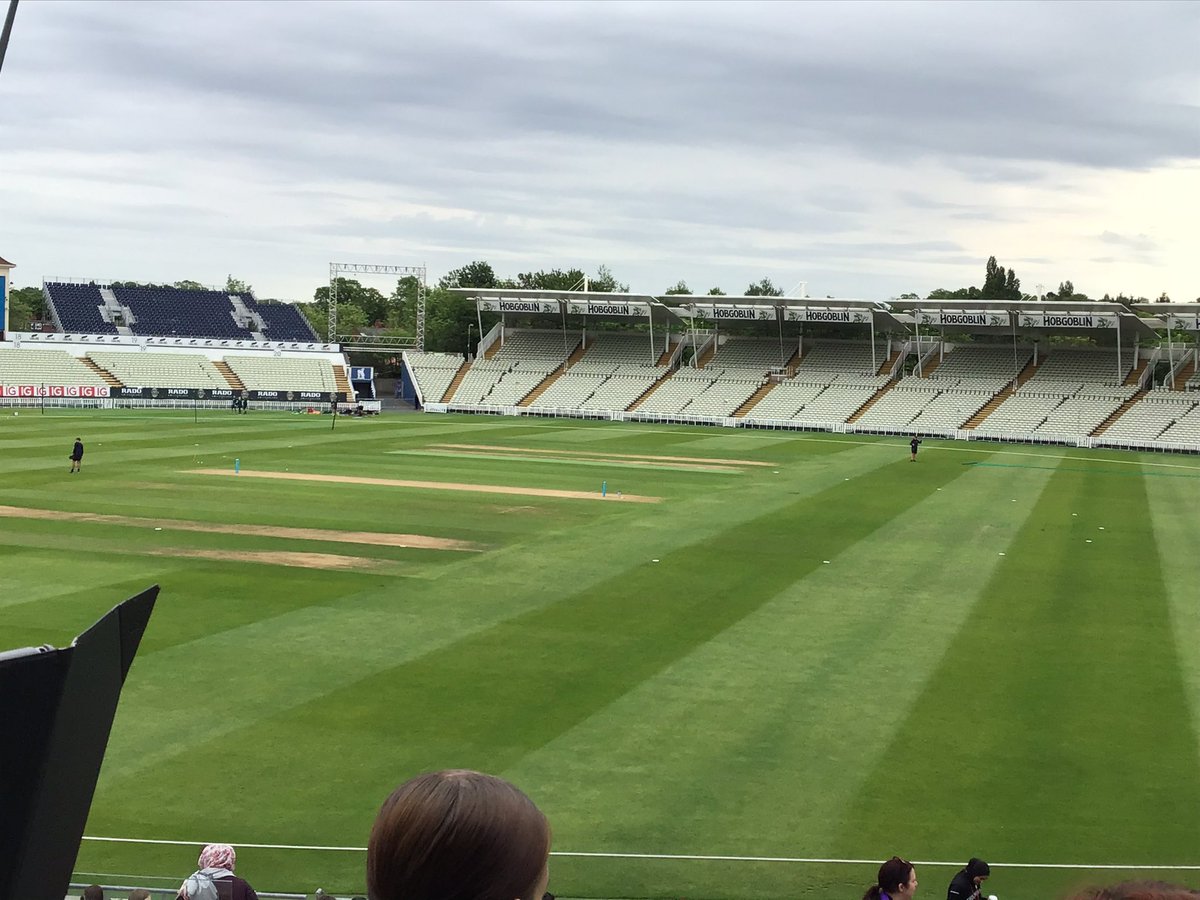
(968, 883)
(76, 455)
(214, 878)
(913, 445)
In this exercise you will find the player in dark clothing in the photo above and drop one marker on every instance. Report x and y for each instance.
(913, 444)
(968, 883)
(76, 455)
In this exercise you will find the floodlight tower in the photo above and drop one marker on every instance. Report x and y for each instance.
(336, 270)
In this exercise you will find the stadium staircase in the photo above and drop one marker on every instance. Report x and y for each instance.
(990, 406)
(459, 376)
(792, 364)
(1185, 373)
(707, 356)
(542, 386)
(1135, 375)
(889, 362)
(109, 378)
(754, 399)
(857, 414)
(227, 373)
(341, 383)
(647, 392)
(928, 367)
(491, 351)
(1121, 410)
(665, 359)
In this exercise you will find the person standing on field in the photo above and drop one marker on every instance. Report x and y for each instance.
(913, 444)
(76, 455)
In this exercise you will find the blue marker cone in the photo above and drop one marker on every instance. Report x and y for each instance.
(604, 489)
(237, 466)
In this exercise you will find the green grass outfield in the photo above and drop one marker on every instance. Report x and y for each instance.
(837, 655)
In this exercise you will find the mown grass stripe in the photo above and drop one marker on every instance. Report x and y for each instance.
(1034, 729)
(790, 762)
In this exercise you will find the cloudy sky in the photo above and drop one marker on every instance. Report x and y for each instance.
(865, 148)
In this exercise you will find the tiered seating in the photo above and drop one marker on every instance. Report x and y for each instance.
(433, 372)
(621, 389)
(833, 358)
(606, 352)
(785, 400)
(283, 321)
(677, 392)
(1021, 413)
(520, 365)
(571, 389)
(723, 397)
(950, 410)
(1076, 365)
(266, 373)
(77, 307)
(536, 349)
(840, 400)
(173, 312)
(900, 405)
(1184, 430)
(49, 367)
(991, 362)
(1082, 414)
(750, 354)
(1150, 417)
(498, 382)
(186, 370)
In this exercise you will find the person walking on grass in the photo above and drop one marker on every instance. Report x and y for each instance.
(913, 444)
(76, 455)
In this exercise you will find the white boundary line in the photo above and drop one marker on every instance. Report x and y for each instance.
(683, 856)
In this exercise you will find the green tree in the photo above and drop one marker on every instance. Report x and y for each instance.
(478, 274)
(908, 296)
(680, 288)
(764, 288)
(237, 286)
(1163, 298)
(715, 292)
(553, 280)
(26, 305)
(373, 305)
(187, 285)
(605, 281)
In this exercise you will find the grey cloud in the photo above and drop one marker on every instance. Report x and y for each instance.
(1138, 242)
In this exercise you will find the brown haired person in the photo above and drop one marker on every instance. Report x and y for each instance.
(458, 835)
(897, 880)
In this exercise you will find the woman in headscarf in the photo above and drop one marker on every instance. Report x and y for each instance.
(214, 878)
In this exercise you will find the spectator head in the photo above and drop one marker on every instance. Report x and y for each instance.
(1139, 890)
(897, 878)
(217, 856)
(458, 835)
(139, 894)
(978, 871)
(92, 892)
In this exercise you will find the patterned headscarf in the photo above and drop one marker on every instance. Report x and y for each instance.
(218, 856)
